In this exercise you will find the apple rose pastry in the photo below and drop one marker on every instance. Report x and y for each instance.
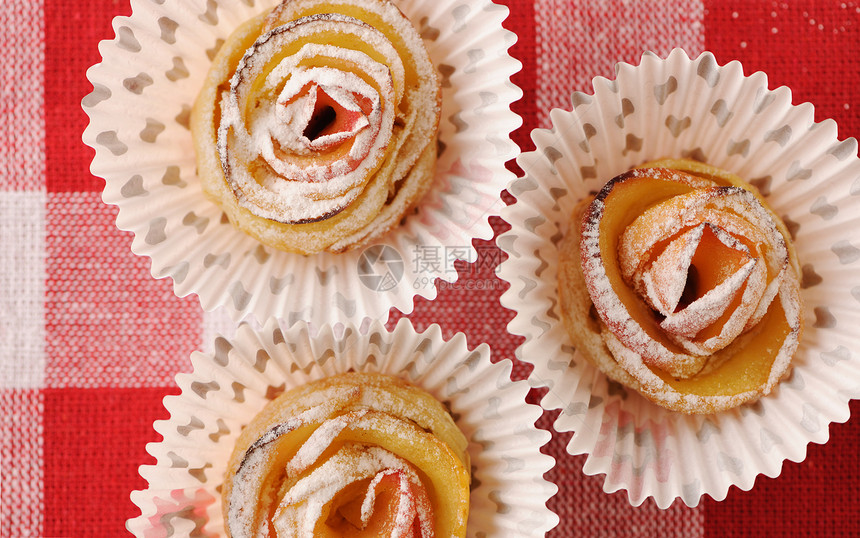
(355, 454)
(315, 128)
(677, 280)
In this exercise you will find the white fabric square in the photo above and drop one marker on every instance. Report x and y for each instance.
(22, 289)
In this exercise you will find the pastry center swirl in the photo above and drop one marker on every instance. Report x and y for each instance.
(316, 126)
(306, 123)
(351, 455)
(681, 267)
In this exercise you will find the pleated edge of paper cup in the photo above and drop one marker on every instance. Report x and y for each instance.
(519, 242)
(539, 518)
(404, 300)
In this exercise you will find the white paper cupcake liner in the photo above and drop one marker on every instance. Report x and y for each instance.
(228, 387)
(139, 108)
(678, 107)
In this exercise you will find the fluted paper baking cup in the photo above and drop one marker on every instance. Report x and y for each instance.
(228, 387)
(139, 108)
(682, 107)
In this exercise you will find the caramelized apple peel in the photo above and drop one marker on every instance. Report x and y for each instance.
(315, 127)
(349, 455)
(692, 279)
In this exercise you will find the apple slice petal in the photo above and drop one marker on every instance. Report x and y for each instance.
(677, 268)
(354, 454)
(666, 278)
(710, 307)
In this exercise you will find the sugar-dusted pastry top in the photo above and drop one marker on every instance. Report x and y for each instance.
(354, 454)
(677, 280)
(315, 128)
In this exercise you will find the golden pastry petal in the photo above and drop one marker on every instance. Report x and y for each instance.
(690, 291)
(350, 455)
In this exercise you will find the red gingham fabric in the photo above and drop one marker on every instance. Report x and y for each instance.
(90, 342)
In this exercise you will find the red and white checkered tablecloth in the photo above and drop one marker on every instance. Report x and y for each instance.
(90, 342)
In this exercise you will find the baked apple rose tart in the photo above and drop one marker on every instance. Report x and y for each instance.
(678, 281)
(356, 454)
(315, 128)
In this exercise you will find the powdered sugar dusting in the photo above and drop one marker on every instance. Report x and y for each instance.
(663, 283)
(329, 457)
(302, 506)
(654, 387)
(720, 235)
(247, 483)
(318, 442)
(329, 121)
(609, 305)
(299, 181)
(708, 308)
